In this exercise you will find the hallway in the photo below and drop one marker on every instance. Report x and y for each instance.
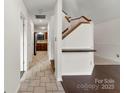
(69, 33)
(40, 78)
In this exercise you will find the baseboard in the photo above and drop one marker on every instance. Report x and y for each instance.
(53, 65)
(76, 74)
(59, 79)
(105, 61)
(17, 90)
(80, 73)
(92, 69)
(51, 60)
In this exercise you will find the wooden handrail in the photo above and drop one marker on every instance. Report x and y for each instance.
(78, 50)
(67, 18)
(86, 18)
(81, 17)
(64, 12)
(66, 33)
(64, 30)
(75, 18)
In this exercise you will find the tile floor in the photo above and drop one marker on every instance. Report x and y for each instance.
(40, 78)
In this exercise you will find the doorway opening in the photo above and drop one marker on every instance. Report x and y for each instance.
(23, 63)
(41, 44)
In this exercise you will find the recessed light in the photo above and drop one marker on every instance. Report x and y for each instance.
(40, 20)
(40, 33)
(43, 27)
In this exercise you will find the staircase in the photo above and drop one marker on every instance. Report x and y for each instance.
(77, 46)
(74, 23)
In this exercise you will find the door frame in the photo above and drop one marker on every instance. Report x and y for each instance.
(23, 44)
(35, 52)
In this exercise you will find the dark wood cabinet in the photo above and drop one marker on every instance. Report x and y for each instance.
(41, 46)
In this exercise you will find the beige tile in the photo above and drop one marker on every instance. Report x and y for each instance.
(52, 81)
(25, 92)
(35, 83)
(41, 74)
(39, 90)
(23, 87)
(37, 77)
(58, 84)
(51, 86)
(25, 81)
(42, 84)
(30, 88)
(49, 92)
(34, 78)
(58, 92)
(40, 78)
(60, 88)
(52, 77)
(45, 79)
(48, 72)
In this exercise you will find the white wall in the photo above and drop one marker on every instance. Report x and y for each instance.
(71, 7)
(107, 43)
(79, 63)
(21, 44)
(58, 38)
(51, 27)
(81, 38)
(97, 10)
(30, 41)
(13, 8)
(65, 23)
(39, 30)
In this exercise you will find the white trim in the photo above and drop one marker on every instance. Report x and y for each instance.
(51, 59)
(74, 74)
(59, 79)
(105, 60)
(78, 73)
(18, 88)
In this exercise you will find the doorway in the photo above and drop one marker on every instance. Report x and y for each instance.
(40, 42)
(23, 63)
(40, 47)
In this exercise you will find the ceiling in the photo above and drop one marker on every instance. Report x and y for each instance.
(41, 25)
(40, 7)
(39, 22)
(98, 10)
